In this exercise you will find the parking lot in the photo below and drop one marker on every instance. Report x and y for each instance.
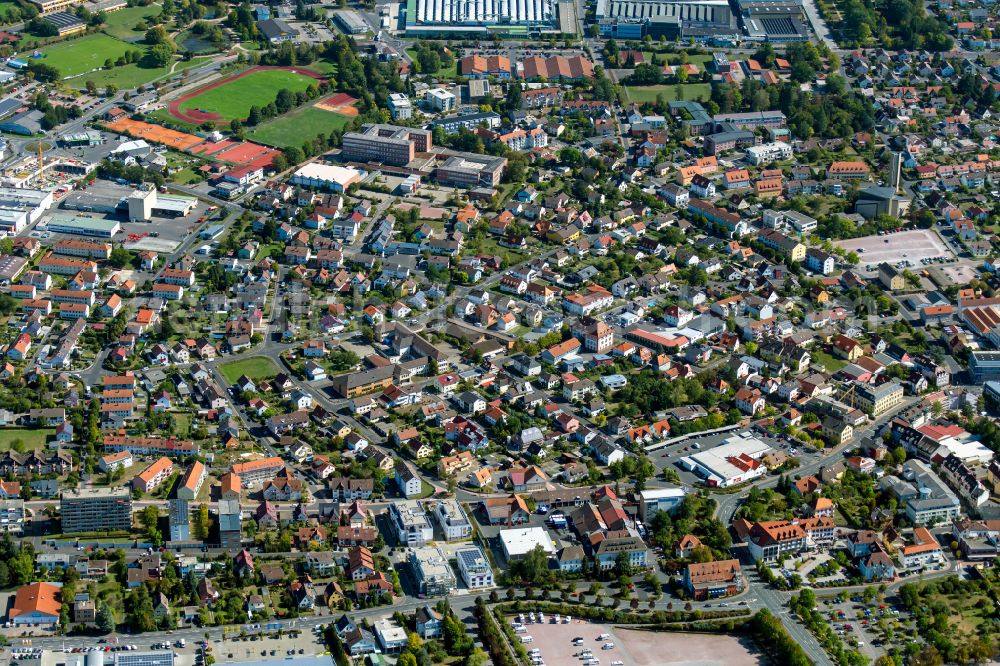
(306, 644)
(912, 246)
(667, 457)
(568, 644)
(863, 624)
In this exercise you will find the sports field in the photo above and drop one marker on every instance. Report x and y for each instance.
(297, 127)
(687, 91)
(232, 98)
(132, 76)
(255, 367)
(121, 22)
(77, 56)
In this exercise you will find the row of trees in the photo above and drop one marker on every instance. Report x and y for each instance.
(284, 101)
(774, 638)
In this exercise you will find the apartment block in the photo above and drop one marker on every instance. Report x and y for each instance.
(96, 509)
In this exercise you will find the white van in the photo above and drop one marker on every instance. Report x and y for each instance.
(527, 639)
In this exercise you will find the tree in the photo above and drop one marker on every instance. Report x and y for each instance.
(157, 35)
(105, 617)
(157, 57)
(120, 257)
(150, 519)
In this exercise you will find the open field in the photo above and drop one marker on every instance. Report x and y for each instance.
(33, 438)
(232, 97)
(257, 367)
(131, 76)
(639, 648)
(911, 246)
(688, 91)
(85, 54)
(297, 127)
(675, 58)
(121, 23)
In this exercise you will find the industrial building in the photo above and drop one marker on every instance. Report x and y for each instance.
(26, 123)
(96, 510)
(524, 18)
(518, 542)
(83, 226)
(327, 176)
(671, 19)
(142, 205)
(734, 461)
(390, 144)
(351, 22)
(20, 207)
(775, 21)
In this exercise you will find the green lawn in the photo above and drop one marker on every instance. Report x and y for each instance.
(76, 56)
(688, 91)
(256, 367)
(324, 67)
(675, 58)
(121, 23)
(297, 127)
(234, 99)
(33, 438)
(185, 176)
(831, 363)
(131, 76)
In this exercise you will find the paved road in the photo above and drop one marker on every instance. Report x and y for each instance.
(462, 604)
(819, 25)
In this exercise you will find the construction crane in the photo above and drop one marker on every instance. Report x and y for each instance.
(41, 162)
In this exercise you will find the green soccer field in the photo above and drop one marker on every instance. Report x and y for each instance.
(686, 91)
(77, 56)
(234, 99)
(297, 127)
